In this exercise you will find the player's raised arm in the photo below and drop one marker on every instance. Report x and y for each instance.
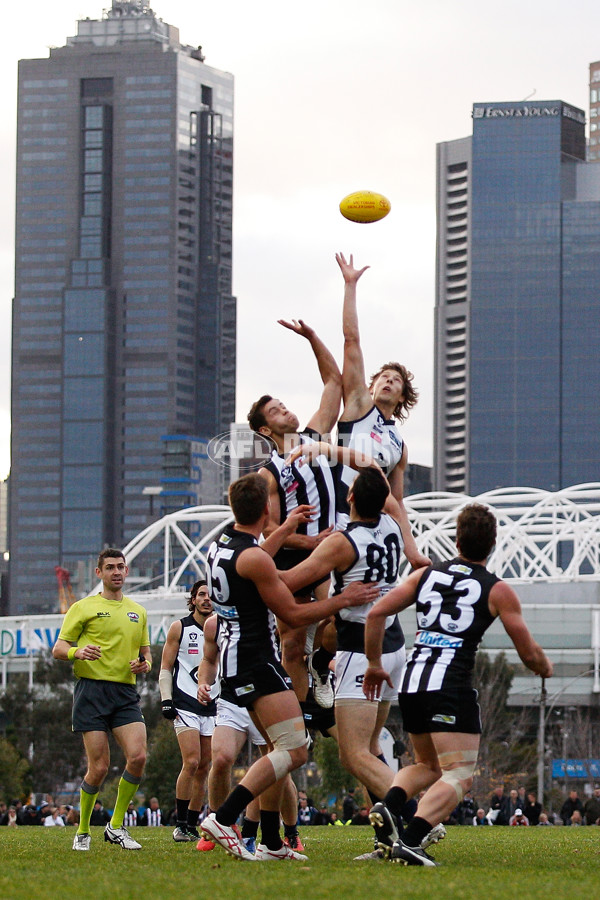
(504, 602)
(326, 416)
(357, 399)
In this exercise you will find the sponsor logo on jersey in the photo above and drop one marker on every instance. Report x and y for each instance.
(246, 689)
(396, 439)
(192, 651)
(224, 539)
(103, 615)
(433, 639)
(445, 720)
(376, 437)
(133, 617)
(462, 570)
(359, 679)
(226, 612)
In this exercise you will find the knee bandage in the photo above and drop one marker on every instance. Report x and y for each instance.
(285, 736)
(463, 762)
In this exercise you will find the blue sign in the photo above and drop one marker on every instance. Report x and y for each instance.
(576, 768)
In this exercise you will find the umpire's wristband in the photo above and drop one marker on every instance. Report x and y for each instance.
(71, 653)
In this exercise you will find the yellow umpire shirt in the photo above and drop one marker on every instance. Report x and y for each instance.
(118, 627)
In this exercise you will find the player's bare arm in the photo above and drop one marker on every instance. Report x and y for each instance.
(89, 652)
(504, 602)
(396, 482)
(356, 395)
(336, 552)
(207, 670)
(255, 565)
(326, 416)
(171, 646)
(297, 541)
(346, 456)
(278, 538)
(399, 598)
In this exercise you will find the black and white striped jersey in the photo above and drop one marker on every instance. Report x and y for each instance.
(247, 631)
(185, 670)
(377, 548)
(452, 616)
(373, 435)
(305, 483)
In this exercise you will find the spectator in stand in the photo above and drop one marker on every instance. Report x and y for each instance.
(466, 810)
(361, 817)
(131, 817)
(54, 818)
(349, 806)
(45, 810)
(10, 817)
(498, 807)
(334, 820)
(32, 816)
(518, 818)
(571, 804)
(532, 808)
(306, 813)
(544, 820)
(99, 816)
(513, 804)
(323, 817)
(153, 816)
(72, 816)
(3, 810)
(576, 818)
(591, 810)
(480, 818)
(522, 796)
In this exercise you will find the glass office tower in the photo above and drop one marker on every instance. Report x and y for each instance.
(517, 350)
(124, 323)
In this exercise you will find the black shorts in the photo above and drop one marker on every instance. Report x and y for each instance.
(287, 558)
(316, 718)
(260, 680)
(429, 711)
(104, 705)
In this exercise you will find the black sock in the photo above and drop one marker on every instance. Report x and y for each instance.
(409, 809)
(182, 809)
(395, 799)
(249, 828)
(269, 829)
(290, 830)
(320, 661)
(192, 817)
(415, 831)
(238, 800)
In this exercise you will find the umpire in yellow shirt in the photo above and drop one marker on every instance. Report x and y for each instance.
(106, 637)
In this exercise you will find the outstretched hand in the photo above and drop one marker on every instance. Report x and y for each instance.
(351, 275)
(373, 681)
(298, 326)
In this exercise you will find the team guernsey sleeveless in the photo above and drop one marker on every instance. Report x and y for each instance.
(373, 435)
(377, 547)
(452, 616)
(185, 670)
(247, 630)
(308, 483)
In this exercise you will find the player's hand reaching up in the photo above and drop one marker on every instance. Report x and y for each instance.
(351, 275)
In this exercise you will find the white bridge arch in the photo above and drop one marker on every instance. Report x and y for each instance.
(542, 535)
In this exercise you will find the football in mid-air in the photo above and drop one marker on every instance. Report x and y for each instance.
(365, 206)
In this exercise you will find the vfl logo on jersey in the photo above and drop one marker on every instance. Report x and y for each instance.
(433, 639)
(193, 636)
(133, 617)
(103, 615)
(288, 480)
(445, 720)
(462, 570)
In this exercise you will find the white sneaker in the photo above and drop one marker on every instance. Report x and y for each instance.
(321, 685)
(284, 852)
(225, 836)
(437, 833)
(82, 841)
(122, 837)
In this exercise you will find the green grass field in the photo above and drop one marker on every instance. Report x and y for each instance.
(478, 864)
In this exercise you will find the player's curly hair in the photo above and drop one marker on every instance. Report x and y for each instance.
(411, 394)
(475, 532)
(256, 416)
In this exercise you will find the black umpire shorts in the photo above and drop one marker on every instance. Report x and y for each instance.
(429, 711)
(258, 681)
(104, 705)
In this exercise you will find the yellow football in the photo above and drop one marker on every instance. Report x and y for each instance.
(365, 206)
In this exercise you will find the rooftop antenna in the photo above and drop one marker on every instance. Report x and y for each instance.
(529, 96)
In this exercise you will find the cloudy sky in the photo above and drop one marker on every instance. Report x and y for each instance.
(332, 96)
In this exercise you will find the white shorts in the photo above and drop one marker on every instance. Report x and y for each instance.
(204, 725)
(350, 670)
(232, 716)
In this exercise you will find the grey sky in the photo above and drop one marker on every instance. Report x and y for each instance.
(332, 97)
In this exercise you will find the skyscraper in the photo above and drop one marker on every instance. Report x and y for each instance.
(124, 323)
(517, 340)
